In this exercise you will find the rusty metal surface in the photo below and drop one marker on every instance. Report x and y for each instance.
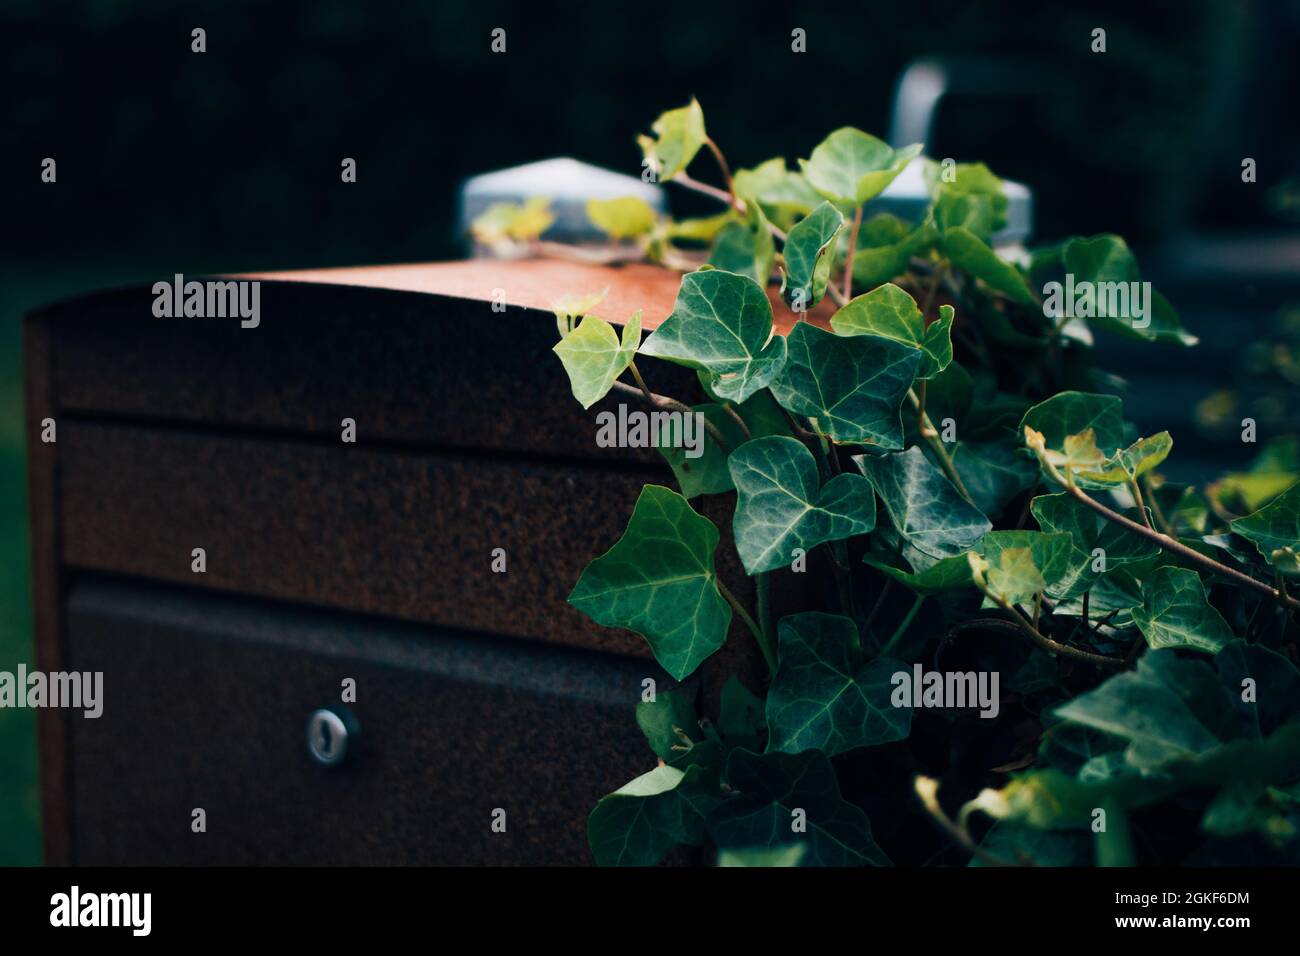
(404, 535)
(205, 706)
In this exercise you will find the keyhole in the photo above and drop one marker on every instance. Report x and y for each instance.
(326, 741)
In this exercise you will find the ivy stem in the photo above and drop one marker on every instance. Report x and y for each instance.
(1191, 555)
(726, 170)
(663, 401)
(927, 789)
(903, 625)
(853, 244)
(1021, 623)
(936, 443)
(723, 196)
(1161, 522)
(735, 416)
(1136, 489)
(763, 644)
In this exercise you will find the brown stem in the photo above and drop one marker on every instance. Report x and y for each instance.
(722, 164)
(1177, 547)
(663, 401)
(721, 195)
(740, 422)
(1137, 496)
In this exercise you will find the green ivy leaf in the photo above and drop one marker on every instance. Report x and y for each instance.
(659, 581)
(746, 248)
(885, 247)
(1107, 259)
(721, 323)
(779, 506)
(994, 472)
(708, 474)
(1166, 710)
(770, 788)
(850, 166)
(891, 313)
(973, 199)
(1089, 531)
(1175, 613)
(972, 255)
(1277, 686)
(671, 727)
(640, 822)
(679, 135)
(922, 504)
(1275, 530)
(594, 356)
(946, 574)
(740, 719)
(853, 385)
(783, 193)
(1069, 415)
(623, 218)
(824, 696)
(807, 256)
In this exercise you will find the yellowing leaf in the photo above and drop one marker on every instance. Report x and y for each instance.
(623, 218)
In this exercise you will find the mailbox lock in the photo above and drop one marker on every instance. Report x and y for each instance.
(331, 732)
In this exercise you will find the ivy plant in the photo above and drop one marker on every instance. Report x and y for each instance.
(929, 474)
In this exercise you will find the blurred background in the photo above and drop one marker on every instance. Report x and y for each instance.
(170, 161)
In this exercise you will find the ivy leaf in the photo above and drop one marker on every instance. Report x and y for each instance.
(1090, 531)
(1107, 259)
(1069, 415)
(659, 581)
(721, 323)
(740, 719)
(640, 822)
(1117, 591)
(852, 385)
(679, 135)
(891, 313)
(1014, 577)
(851, 166)
(623, 218)
(594, 356)
(783, 193)
(746, 248)
(824, 696)
(1277, 686)
(671, 727)
(749, 856)
(1175, 613)
(1275, 530)
(946, 574)
(779, 506)
(505, 223)
(885, 247)
(994, 472)
(923, 506)
(972, 255)
(1025, 563)
(708, 474)
(1132, 462)
(1164, 710)
(973, 199)
(770, 791)
(807, 256)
